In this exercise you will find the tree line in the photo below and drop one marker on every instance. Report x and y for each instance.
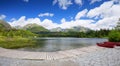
(91, 33)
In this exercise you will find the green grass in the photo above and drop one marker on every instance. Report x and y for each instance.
(16, 42)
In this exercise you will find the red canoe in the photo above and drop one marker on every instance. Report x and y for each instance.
(109, 44)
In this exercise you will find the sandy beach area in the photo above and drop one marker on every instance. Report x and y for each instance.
(87, 56)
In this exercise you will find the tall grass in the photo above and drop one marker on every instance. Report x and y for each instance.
(16, 42)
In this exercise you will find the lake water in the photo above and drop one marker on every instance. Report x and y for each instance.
(58, 44)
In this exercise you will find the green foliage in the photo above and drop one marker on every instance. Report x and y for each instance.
(114, 36)
(16, 42)
(13, 39)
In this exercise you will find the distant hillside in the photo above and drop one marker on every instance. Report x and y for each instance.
(58, 29)
(73, 29)
(35, 28)
(78, 29)
(4, 25)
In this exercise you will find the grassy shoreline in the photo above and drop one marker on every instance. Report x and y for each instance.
(16, 42)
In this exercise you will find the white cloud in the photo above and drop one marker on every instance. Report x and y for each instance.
(107, 16)
(54, 2)
(2, 16)
(63, 20)
(111, 12)
(63, 3)
(46, 14)
(26, 0)
(106, 23)
(48, 24)
(81, 14)
(93, 1)
(79, 2)
(72, 23)
(22, 21)
(99, 10)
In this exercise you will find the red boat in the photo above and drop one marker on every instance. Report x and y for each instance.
(109, 44)
(118, 44)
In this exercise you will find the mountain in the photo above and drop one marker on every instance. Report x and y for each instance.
(58, 29)
(18, 27)
(79, 29)
(35, 28)
(72, 29)
(4, 25)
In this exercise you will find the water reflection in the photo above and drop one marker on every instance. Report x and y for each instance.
(57, 44)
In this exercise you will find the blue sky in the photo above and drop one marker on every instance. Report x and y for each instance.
(94, 14)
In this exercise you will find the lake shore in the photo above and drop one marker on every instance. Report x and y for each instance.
(87, 56)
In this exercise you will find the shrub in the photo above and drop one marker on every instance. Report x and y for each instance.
(114, 36)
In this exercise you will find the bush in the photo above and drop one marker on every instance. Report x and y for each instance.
(114, 36)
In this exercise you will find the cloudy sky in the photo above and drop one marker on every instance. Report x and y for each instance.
(94, 14)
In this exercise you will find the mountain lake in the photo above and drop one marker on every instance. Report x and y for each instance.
(52, 44)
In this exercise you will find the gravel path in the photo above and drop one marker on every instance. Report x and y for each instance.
(88, 56)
